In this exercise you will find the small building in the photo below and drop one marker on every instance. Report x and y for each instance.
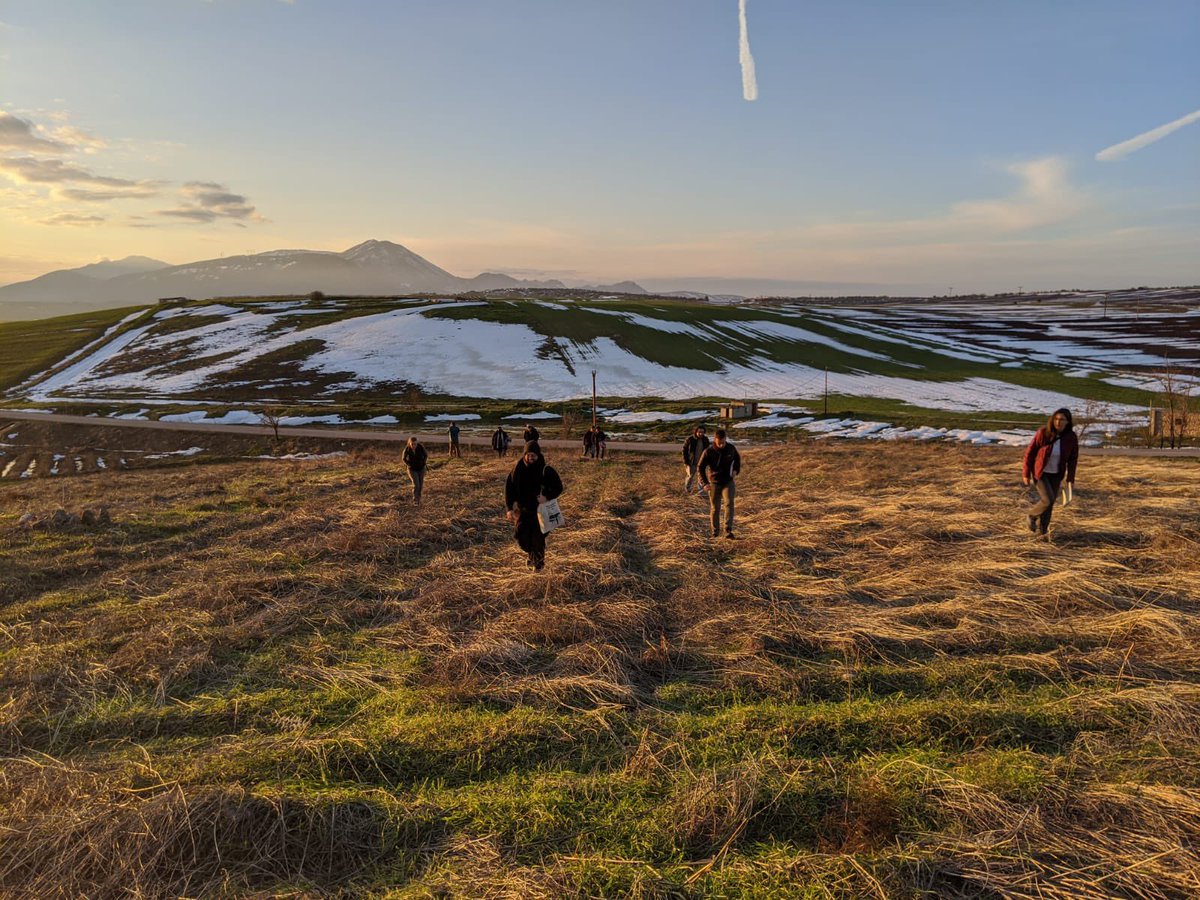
(739, 409)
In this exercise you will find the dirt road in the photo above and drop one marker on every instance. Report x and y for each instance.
(350, 434)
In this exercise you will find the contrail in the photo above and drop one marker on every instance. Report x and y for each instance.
(1123, 149)
(749, 81)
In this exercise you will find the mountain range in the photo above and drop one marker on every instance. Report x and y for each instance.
(370, 268)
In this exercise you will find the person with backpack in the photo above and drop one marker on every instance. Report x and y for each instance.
(693, 449)
(500, 442)
(531, 481)
(415, 458)
(1050, 459)
(453, 431)
(530, 433)
(725, 463)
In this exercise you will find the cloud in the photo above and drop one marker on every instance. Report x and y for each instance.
(72, 219)
(1045, 198)
(79, 139)
(21, 134)
(1123, 149)
(749, 78)
(207, 201)
(29, 170)
(84, 195)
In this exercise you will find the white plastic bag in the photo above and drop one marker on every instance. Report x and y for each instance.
(550, 516)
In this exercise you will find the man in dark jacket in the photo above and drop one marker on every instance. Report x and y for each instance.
(693, 449)
(500, 441)
(726, 464)
(589, 442)
(601, 443)
(414, 459)
(1050, 459)
(530, 433)
(529, 483)
(452, 431)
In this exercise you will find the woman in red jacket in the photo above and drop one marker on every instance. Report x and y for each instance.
(1049, 460)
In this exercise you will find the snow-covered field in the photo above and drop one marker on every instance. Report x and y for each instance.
(164, 359)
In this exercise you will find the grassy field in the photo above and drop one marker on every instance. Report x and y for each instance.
(27, 348)
(290, 682)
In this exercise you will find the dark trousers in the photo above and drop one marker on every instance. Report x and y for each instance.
(499, 452)
(417, 477)
(717, 492)
(454, 449)
(1047, 488)
(529, 536)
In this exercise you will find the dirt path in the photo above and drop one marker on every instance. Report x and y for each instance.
(434, 440)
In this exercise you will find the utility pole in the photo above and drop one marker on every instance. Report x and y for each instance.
(593, 398)
(826, 390)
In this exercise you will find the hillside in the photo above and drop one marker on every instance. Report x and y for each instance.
(1014, 357)
(300, 685)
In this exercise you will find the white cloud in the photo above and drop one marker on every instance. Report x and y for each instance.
(1123, 149)
(47, 176)
(30, 170)
(72, 219)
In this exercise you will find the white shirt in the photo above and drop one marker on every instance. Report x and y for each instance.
(1054, 460)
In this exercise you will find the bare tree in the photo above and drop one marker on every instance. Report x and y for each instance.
(270, 416)
(1095, 413)
(1176, 394)
(570, 421)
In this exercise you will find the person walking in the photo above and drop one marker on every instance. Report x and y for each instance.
(601, 443)
(693, 449)
(726, 464)
(415, 458)
(530, 433)
(1050, 459)
(530, 482)
(589, 442)
(453, 430)
(500, 442)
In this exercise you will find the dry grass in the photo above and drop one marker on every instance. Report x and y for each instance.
(269, 680)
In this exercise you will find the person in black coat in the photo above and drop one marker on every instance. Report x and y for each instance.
(415, 458)
(530, 482)
(726, 464)
(530, 433)
(693, 449)
(500, 442)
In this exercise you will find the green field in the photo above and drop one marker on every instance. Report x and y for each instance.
(27, 348)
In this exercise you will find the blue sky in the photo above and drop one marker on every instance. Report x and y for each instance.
(926, 144)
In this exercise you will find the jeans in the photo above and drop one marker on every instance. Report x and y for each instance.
(417, 477)
(1047, 488)
(717, 492)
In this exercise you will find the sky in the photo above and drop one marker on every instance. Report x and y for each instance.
(935, 146)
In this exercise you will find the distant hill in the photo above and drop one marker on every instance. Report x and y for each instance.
(370, 268)
(71, 290)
